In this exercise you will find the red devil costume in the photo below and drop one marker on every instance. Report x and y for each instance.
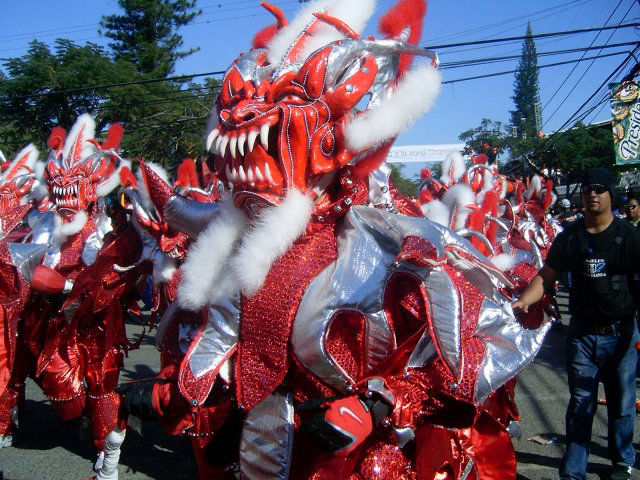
(346, 336)
(72, 330)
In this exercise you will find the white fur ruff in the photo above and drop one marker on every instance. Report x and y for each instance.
(413, 97)
(354, 13)
(204, 266)
(64, 230)
(270, 237)
(233, 255)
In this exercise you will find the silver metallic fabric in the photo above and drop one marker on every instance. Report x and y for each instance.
(26, 257)
(379, 192)
(219, 337)
(189, 216)
(509, 346)
(267, 439)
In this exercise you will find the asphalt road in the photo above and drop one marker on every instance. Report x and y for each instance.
(47, 448)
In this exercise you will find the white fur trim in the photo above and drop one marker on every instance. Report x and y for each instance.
(38, 169)
(503, 261)
(106, 187)
(452, 160)
(413, 97)
(534, 187)
(89, 125)
(436, 211)
(165, 270)
(204, 266)
(3, 159)
(354, 13)
(32, 156)
(270, 237)
(61, 231)
(143, 191)
(456, 199)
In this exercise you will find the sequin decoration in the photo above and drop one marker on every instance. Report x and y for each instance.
(266, 320)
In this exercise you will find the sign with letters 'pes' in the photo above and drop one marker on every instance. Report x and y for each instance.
(625, 109)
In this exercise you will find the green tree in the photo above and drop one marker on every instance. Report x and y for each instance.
(405, 186)
(43, 89)
(491, 133)
(146, 33)
(525, 118)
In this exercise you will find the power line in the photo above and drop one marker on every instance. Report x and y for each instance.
(110, 85)
(524, 37)
(575, 85)
(488, 60)
(497, 74)
(576, 65)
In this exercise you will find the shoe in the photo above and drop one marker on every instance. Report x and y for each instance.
(620, 472)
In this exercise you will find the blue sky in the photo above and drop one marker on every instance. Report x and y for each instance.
(226, 28)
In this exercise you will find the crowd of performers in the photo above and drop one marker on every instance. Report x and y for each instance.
(313, 323)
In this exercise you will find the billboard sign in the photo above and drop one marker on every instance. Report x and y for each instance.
(625, 110)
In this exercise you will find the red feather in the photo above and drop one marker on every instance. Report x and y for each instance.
(373, 161)
(114, 137)
(264, 36)
(406, 13)
(187, 174)
(57, 138)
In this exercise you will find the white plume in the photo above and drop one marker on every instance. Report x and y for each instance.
(503, 261)
(85, 127)
(413, 97)
(452, 160)
(456, 199)
(436, 211)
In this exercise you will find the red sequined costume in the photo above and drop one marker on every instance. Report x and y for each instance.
(327, 293)
(72, 333)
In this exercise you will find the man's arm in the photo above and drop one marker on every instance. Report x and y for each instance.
(542, 282)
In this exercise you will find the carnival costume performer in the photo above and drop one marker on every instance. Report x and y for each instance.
(346, 335)
(72, 326)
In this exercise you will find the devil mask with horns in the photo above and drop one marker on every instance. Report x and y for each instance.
(79, 170)
(286, 112)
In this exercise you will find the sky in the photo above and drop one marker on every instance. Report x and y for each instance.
(226, 28)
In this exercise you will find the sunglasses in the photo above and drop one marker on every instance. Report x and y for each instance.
(632, 207)
(595, 188)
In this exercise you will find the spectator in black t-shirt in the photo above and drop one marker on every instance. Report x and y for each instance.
(566, 215)
(602, 253)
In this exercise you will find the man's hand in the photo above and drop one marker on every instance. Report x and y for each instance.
(520, 306)
(341, 425)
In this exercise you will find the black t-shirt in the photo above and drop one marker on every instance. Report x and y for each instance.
(602, 265)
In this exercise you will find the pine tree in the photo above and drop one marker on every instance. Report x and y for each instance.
(526, 91)
(145, 34)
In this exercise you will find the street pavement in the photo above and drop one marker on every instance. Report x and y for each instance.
(47, 448)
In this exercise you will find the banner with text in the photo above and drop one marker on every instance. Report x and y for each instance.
(625, 110)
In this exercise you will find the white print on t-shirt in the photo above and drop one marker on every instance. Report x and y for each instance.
(595, 267)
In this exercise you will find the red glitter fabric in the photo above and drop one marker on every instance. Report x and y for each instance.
(408, 206)
(265, 326)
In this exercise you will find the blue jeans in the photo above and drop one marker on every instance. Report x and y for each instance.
(592, 358)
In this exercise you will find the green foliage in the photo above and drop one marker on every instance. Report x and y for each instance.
(526, 91)
(28, 108)
(489, 132)
(405, 186)
(145, 34)
(164, 120)
(577, 149)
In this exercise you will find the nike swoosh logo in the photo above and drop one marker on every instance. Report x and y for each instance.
(344, 410)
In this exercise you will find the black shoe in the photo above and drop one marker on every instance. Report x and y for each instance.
(620, 472)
